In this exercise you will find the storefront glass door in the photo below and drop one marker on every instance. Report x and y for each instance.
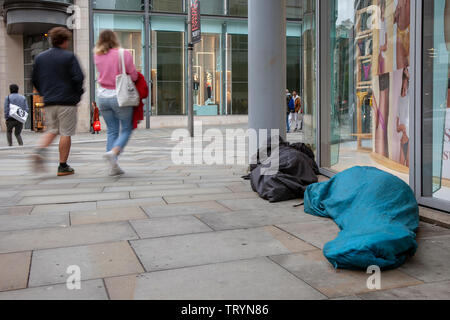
(435, 111)
(367, 122)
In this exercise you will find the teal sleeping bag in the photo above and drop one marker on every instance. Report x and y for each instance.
(377, 213)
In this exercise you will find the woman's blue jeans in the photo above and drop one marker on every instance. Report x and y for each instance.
(119, 121)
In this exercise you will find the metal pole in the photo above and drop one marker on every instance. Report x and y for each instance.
(190, 75)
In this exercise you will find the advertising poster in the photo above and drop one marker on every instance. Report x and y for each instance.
(391, 84)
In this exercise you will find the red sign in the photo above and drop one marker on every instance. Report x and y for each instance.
(195, 20)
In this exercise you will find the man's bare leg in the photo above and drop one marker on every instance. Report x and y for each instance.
(65, 143)
(38, 158)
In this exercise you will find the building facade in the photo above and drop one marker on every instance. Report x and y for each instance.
(373, 74)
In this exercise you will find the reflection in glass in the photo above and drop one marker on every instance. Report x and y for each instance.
(370, 85)
(137, 5)
(168, 73)
(238, 8)
(436, 100)
(166, 5)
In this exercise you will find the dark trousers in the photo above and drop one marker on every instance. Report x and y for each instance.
(18, 127)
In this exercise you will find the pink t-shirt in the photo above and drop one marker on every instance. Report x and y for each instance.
(109, 68)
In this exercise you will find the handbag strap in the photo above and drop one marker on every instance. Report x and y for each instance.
(122, 61)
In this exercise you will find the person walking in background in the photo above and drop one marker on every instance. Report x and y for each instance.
(295, 116)
(11, 123)
(119, 120)
(289, 104)
(58, 77)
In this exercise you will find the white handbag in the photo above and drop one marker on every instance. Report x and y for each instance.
(127, 94)
(17, 112)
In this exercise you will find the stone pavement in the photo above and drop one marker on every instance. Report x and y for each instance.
(164, 231)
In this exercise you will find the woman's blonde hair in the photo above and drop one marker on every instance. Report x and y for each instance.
(107, 40)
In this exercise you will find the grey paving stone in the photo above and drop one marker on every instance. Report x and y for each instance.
(184, 209)
(63, 208)
(317, 233)
(178, 192)
(252, 218)
(210, 197)
(14, 268)
(431, 261)
(74, 198)
(427, 230)
(95, 261)
(214, 247)
(15, 241)
(58, 186)
(256, 279)
(162, 227)
(151, 187)
(313, 268)
(130, 203)
(45, 192)
(258, 203)
(107, 215)
(23, 222)
(16, 210)
(428, 291)
(90, 290)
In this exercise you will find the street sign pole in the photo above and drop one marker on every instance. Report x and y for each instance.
(194, 36)
(190, 77)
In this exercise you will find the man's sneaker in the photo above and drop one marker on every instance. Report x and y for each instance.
(110, 158)
(116, 171)
(67, 171)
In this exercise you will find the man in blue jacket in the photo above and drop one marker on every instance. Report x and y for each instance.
(58, 77)
(11, 123)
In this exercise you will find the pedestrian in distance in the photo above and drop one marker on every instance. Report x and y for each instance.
(13, 124)
(110, 60)
(289, 106)
(58, 77)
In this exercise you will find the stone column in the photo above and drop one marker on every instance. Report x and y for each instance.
(11, 66)
(267, 64)
(83, 52)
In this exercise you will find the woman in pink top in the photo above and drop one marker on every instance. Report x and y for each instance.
(119, 120)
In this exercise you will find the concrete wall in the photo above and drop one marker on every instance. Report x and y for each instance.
(81, 49)
(11, 66)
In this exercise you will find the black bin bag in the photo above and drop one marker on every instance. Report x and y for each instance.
(297, 170)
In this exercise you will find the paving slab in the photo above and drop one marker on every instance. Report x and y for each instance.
(317, 233)
(24, 222)
(210, 197)
(14, 268)
(151, 187)
(431, 261)
(427, 230)
(45, 192)
(178, 192)
(252, 218)
(74, 198)
(313, 268)
(16, 210)
(16, 241)
(90, 290)
(163, 227)
(256, 279)
(63, 208)
(180, 209)
(130, 203)
(428, 291)
(258, 203)
(214, 247)
(95, 261)
(107, 215)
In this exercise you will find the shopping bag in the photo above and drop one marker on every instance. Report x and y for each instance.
(17, 113)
